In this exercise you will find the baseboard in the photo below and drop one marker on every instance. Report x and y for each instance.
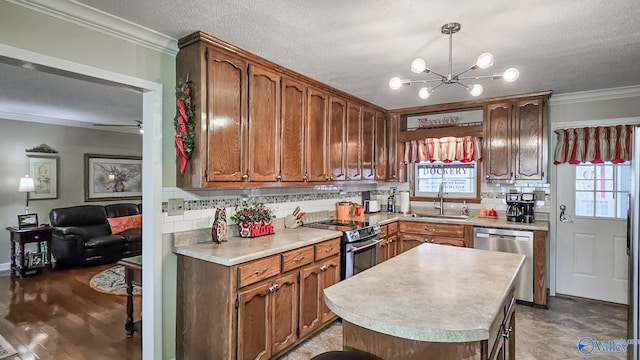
(5, 266)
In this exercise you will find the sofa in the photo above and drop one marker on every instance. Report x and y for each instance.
(87, 235)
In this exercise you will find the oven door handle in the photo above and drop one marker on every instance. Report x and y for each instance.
(354, 249)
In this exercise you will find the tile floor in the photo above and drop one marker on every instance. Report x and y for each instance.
(541, 334)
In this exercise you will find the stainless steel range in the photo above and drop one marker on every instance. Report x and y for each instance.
(359, 245)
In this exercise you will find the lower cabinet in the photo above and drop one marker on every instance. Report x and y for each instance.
(504, 339)
(313, 280)
(389, 244)
(413, 233)
(254, 310)
(267, 321)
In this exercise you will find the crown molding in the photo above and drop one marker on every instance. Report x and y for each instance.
(80, 14)
(595, 95)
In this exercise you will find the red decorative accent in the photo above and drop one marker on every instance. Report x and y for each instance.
(184, 125)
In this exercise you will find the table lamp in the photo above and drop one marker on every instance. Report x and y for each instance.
(26, 185)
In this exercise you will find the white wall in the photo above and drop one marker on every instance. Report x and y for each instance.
(72, 143)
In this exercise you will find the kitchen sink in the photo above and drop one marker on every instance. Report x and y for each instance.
(444, 217)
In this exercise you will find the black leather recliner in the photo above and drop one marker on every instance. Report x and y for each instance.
(82, 236)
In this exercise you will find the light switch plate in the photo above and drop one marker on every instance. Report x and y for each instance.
(175, 207)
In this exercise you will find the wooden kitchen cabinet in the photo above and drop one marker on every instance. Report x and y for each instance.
(317, 119)
(367, 146)
(389, 245)
(337, 125)
(413, 233)
(258, 122)
(292, 149)
(267, 318)
(515, 139)
(353, 141)
(313, 280)
(264, 125)
(393, 163)
(254, 310)
(380, 146)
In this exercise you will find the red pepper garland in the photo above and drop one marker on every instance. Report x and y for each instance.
(184, 125)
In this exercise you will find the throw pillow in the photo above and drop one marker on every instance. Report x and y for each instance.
(123, 223)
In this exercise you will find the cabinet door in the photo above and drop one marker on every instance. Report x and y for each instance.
(383, 250)
(329, 275)
(310, 299)
(392, 246)
(337, 121)
(264, 124)
(292, 154)
(497, 138)
(354, 130)
(284, 313)
(393, 126)
(317, 118)
(368, 144)
(409, 241)
(530, 139)
(254, 335)
(380, 146)
(226, 117)
(448, 241)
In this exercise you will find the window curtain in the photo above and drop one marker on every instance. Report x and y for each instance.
(594, 145)
(446, 149)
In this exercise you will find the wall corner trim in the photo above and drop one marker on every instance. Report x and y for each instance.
(103, 22)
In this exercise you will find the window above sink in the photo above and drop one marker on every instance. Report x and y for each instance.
(460, 180)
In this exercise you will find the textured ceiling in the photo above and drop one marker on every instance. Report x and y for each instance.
(358, 45)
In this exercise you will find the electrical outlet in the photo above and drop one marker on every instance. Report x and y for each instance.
(175, 207)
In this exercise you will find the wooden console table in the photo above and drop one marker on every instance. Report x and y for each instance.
(36, 262)
(132, 276)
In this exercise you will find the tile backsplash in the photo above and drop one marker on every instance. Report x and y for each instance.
(318, 201)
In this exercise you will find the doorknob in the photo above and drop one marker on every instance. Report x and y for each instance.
(563, 217)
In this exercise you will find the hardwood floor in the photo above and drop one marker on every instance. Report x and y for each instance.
(58, 316)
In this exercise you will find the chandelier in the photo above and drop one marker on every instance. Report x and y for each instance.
(485, 61)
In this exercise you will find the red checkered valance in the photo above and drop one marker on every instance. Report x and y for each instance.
(594, 145)
(446, 149)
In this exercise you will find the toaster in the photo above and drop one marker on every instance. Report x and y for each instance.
(371, 206)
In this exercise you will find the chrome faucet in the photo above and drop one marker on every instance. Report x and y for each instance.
(441, 197)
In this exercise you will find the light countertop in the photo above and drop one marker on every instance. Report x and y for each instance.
(430, 293)
(500, 222)
(238, 250)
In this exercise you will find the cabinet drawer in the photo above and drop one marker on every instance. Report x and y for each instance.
(383, 231)
(296, 258)
(34, 236)
(327, 248)
(433, 228)
(393, 228)
(258, 270)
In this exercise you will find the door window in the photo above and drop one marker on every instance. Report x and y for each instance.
(602, 189)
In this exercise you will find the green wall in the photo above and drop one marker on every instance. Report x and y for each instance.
(40, 33)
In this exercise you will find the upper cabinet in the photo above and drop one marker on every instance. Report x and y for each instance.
(259, 123)
(337, 124)
(317, 118)
(293, 140)
(515, 140)
(393, 165)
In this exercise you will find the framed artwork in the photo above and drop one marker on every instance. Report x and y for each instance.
(112, 177)
(26, 221)
(44, 171)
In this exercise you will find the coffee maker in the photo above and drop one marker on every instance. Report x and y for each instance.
(514, 210)
(527, 207)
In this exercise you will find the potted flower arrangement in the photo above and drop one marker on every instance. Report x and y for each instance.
(253, 219)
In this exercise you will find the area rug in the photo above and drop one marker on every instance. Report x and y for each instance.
(6, 350)
(111, 281)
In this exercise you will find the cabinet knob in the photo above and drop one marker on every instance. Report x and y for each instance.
(298, 259)
(260, 272)
(279, 177)
(37, 237)
(246, 175)
(306, 176)
(432, 241)
(323, 268)
(486, 176)
(327, 178)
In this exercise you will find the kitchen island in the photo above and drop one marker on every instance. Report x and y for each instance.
(431, 302)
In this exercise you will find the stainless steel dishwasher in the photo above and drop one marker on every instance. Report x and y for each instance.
(512, 241)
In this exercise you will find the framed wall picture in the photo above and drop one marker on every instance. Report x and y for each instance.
(112, 177)
(26, 221)
(44, 171)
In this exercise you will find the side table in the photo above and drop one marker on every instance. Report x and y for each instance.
(132, 276)
(36, 262)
